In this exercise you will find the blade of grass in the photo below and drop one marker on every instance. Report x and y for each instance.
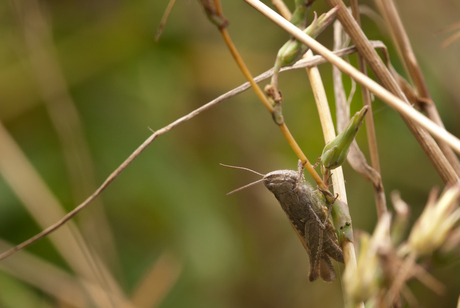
(164, 19)
(157, 282)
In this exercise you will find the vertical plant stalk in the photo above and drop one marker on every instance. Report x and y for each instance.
(327, 125)
(157, 281)
(370, 127)
(164, 19)
(282, 9)
(427, 143)
(379, 192)
(399, 36)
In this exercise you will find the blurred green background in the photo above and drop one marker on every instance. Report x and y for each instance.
(170, 203)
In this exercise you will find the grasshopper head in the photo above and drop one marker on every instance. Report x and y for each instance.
(281, 181)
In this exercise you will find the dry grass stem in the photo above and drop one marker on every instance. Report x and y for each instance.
(50, 279)
(46, 277)
(401, 221)
(454, 37)
(437, 158)
(164, 19)
(409, 297)
(282, 9)
(355, 157)
(403, 275)
(406, 53)
(157, 282)
(327, 125)
(370, 127)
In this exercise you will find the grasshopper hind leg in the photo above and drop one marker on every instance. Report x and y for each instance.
(314, 240)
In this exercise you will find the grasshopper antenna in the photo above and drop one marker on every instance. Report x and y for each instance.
(245, 186)
(242, 168)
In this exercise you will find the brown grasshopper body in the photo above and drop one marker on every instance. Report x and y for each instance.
(307, 214)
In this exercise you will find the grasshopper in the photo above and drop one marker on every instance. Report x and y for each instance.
(308, 216)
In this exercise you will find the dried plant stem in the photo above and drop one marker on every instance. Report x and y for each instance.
(401, 40)
(164, 19)
(49, 278)
(370, 127)
(435, 155)
(327, 125)
(282, 9)
(449, 41)
(247, 74)
(284, 129)
(404, 271)
(300, 64)
(379, 192)
(157, 282)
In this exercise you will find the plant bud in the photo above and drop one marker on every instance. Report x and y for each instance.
(335, 152)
